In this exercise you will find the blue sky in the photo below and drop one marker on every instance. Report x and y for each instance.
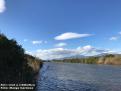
(35, 24)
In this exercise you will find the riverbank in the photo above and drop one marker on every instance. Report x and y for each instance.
(110, 59)
(35, 64)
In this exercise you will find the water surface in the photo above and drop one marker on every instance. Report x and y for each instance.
(79, 77)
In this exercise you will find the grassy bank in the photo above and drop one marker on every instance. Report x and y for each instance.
(106, 59)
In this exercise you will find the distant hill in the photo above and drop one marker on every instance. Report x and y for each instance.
(113, 59)
(15, 65)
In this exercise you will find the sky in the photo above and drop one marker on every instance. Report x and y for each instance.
(52, 29)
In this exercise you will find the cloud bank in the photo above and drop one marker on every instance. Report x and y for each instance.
(70, 35)
(57, 53)
(2, 6)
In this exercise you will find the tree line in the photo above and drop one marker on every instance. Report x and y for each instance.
(113, 59)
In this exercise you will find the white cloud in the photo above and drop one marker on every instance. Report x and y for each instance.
(36, 42)
(54, 53)
(28, 52)
(70, 35)
(25, 40)
(61, 44)
(39, 42)
(2, 6)
(120, 33)
(118, 36)
(88, 47)
(114, 38)
(57, 53)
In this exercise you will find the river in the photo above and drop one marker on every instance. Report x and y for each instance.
(79, 77)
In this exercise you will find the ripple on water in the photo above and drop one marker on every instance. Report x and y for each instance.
(79, 77)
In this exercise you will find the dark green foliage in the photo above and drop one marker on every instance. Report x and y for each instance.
(14, 66)
(109, 55)
(89, 60)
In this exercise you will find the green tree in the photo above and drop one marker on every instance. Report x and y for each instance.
(14, 66)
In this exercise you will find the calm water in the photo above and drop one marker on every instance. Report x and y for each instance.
(79, 77)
